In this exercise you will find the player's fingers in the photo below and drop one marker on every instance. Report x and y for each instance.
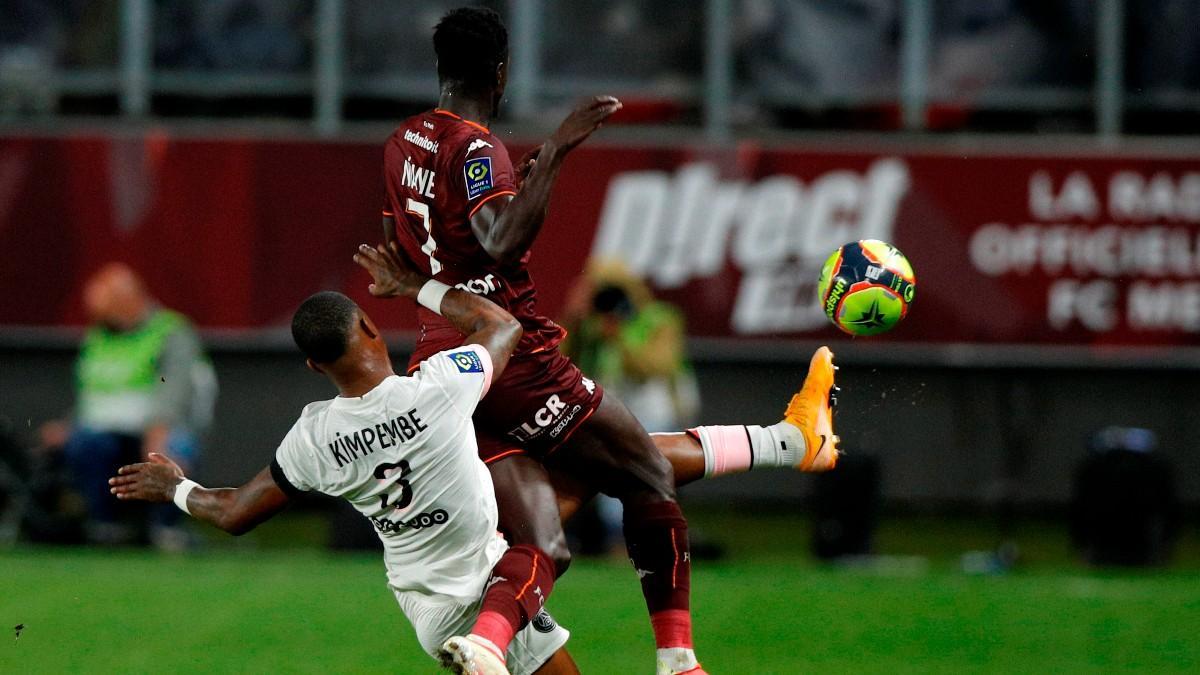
(368, 252)
(531, 155)
(393, 251)
(159, 458)
(607, 111)
(386, 259)
(121, 480)
(368, 259)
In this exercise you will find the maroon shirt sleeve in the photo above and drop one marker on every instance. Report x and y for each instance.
(486, 172)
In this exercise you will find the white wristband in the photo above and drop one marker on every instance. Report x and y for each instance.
(182, 491)
(431, 294)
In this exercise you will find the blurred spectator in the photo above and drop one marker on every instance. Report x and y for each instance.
(813, 54)
(36, 501)
(1163, 48)
(653, 42)
(383, 41)
(1003, 44)
(634, 346)
(801, 51)
(29, 39)
(144, 385)
(236, 35)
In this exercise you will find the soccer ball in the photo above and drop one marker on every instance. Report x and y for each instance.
(866, 287)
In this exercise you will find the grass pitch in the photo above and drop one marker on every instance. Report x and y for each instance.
(250, 608)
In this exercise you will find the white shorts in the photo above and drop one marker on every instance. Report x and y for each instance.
(436, 619)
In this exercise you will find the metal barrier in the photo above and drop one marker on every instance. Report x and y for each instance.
(330, 72)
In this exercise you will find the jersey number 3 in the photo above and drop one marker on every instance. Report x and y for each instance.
(406, 491)
(421, 210)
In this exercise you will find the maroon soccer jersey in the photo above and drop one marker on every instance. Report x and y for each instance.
(439, 169)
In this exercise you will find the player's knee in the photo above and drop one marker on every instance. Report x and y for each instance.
(560, 555)
(553, 547)
(659, 476)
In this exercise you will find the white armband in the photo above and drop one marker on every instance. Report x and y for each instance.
(182, 491)
(431, 294)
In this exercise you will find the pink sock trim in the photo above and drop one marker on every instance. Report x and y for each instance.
(672, 628)
(495, 628)
(729, 446)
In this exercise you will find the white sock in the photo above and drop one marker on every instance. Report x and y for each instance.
(676, 660)
(735, 449)
(780, 444)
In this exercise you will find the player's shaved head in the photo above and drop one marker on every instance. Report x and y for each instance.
(322, 326)
(471, 43)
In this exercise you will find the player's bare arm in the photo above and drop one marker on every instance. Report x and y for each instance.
(506, 227)
(482, 321)
(235, 510)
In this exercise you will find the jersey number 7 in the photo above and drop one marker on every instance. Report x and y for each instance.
(421, 210)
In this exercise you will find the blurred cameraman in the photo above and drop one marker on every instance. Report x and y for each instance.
(634, 345)
(143, 385)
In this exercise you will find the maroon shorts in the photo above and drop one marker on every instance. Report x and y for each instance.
(537, 403)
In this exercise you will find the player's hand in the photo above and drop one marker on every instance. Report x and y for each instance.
(152, 481)
(583, 120)
(390, 271)
(528, 160)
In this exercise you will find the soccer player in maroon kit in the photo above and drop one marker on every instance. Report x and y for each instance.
(456, 207)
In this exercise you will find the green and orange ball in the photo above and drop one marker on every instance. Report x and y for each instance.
(866, 287)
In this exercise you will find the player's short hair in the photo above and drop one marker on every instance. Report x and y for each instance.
(470, 42)
(321, 325)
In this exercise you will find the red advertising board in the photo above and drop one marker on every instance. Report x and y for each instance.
(1008, 249)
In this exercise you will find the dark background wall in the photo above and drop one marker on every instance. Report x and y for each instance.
(942, 435)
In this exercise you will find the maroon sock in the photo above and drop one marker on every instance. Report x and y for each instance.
(656, 536)
(520, 583)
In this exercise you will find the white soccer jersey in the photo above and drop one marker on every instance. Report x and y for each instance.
(405, 456)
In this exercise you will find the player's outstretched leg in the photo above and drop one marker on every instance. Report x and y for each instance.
(804, 439)
(612, 452)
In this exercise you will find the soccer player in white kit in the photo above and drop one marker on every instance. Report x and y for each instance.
(402, 450)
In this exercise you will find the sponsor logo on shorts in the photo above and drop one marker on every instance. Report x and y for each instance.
(478, 175)
(552, 419)
(543, 622)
